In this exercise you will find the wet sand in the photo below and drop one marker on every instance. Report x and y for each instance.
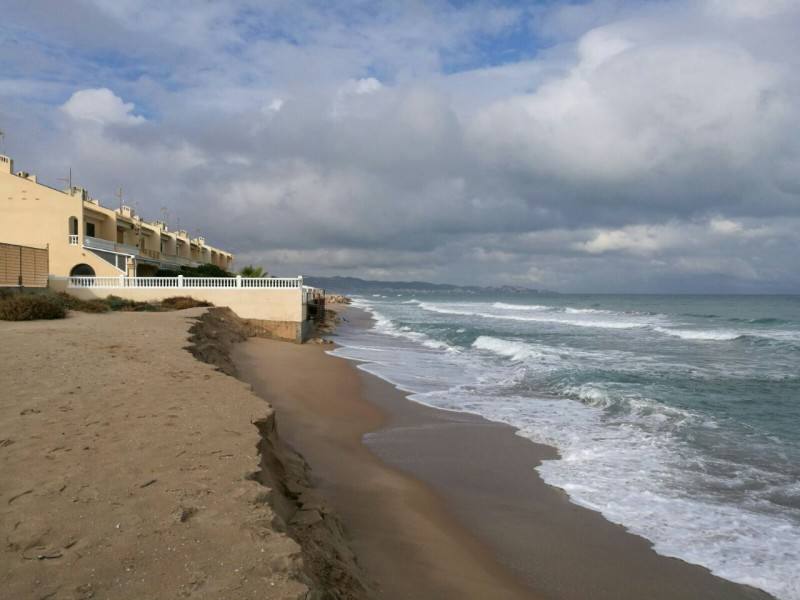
(447, 505)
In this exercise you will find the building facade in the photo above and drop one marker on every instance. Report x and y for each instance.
(87, 239)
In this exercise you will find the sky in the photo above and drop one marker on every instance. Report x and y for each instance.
(577, 146)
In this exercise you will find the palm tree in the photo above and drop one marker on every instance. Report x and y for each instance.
(251, 271)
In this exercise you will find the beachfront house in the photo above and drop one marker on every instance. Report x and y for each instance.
(88, 239)
(96, 251)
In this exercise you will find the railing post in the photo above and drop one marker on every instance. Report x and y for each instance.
(300, 282)
(180, 281)
(238, 281)
(122, 281)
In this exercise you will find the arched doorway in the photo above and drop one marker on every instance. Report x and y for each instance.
(82, 270)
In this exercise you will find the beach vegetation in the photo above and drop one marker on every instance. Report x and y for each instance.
(30, 307)
(207, 270)
(95, 305)
(182, 302)
(253, 271)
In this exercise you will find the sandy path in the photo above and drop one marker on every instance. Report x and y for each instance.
(123, 463)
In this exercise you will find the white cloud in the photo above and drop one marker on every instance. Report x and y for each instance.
(725, 226)
(752, 9)
(369, 85)
(589, 156)
(629, 109)
(101, 105)
(636, 239)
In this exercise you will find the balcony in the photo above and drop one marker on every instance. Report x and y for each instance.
(102, 245)
(94, 243)
(73, 240)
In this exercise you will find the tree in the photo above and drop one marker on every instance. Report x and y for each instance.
(251, 271)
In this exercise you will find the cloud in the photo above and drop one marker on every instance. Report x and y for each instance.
(607, 145)
(725, 226)
(101, 106)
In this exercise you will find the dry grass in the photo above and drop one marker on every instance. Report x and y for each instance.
(43, 304)
(182, 302)
(30, 307)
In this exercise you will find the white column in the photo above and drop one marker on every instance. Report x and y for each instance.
(180, 281)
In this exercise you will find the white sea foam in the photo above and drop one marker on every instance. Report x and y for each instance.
(622, 469)
(719, 335)
(386, 326)
(460, 310)
(504, 306)
(588, 311)
(514, 350)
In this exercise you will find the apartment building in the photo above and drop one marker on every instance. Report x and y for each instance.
(87, 239)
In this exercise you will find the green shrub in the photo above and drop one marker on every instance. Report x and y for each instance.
(207, 270)
(182, 302)
(166, 273)
(29, 307)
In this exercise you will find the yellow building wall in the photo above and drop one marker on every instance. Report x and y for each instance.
(32, 214)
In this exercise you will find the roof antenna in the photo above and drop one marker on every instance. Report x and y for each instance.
(119, 195)
(68, 180)
(2, 138)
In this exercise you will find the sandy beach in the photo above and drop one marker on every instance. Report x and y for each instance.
(131, 469)
(447, 505)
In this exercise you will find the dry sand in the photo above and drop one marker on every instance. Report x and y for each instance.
(123, 465)
(453, 508)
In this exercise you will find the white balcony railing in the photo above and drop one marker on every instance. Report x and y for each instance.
(180, 282)
(73, 240)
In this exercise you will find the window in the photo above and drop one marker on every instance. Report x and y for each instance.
(73, 226)
(89, 229)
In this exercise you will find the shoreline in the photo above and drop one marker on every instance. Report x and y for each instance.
(481, 475)
(139, 464)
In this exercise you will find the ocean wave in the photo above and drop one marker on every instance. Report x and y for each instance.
(701, 334)
(768, 321)
(535, 318)
(558, 309)
(646, 410)
(514, 350)
(621, 453)
(504, 306)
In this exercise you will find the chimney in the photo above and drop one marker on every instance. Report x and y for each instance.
(6, 165)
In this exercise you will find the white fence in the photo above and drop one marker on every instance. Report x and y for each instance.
(181, 282)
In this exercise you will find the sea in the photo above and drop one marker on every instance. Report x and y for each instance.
(677, 417)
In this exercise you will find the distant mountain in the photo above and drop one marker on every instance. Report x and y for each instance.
(354, 285)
